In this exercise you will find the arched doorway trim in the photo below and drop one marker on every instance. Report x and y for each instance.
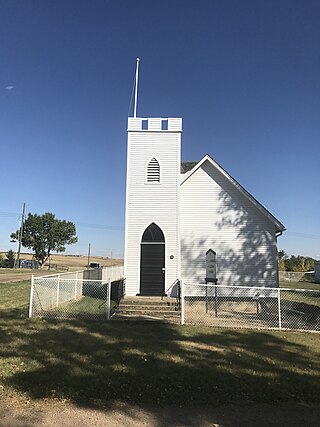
(152, 261)
(152, 234)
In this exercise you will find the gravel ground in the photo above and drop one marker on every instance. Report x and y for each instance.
(58, 414)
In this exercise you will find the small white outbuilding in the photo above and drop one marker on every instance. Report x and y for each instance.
(178, 211)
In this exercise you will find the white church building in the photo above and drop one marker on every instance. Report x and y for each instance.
(178, 212)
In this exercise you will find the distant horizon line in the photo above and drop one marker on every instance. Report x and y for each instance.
(67, 255)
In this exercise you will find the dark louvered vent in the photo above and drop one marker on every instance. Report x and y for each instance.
(153, 172)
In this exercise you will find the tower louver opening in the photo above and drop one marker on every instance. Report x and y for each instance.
(153, 171)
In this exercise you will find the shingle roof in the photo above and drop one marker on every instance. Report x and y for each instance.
(187, 166)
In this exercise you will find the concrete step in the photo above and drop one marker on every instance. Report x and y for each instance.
(152, 307)
(149, 313)
(148, 308)
(148, 301)
(146, 304)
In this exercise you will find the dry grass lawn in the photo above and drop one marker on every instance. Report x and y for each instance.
(58, 263)
(74, 262)
(61, 373)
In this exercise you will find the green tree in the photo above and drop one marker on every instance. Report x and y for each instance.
(9, 262)
(45, 234)
(282, 255)
(281, 265)
(299, 263)
(309, 264)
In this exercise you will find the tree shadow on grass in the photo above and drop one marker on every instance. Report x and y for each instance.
(95, 364)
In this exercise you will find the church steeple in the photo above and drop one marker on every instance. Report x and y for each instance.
(153, 196)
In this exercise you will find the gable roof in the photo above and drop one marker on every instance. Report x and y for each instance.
(187, 166)
(189, 170)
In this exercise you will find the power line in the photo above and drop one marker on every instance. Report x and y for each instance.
(121, 228)
(307, 236)
(99, 226)
(118, 227)
(9, 214)
(79, 224)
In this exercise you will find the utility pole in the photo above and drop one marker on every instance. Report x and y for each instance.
(89, 255)
(17, 261)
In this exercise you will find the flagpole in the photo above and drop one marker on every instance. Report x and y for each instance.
(136, 89)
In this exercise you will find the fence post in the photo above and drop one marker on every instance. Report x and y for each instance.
(279, 309)
(108, 299)
(206, 299)
(215, 301)
(58, 291)
(182, 302)
(76, 287)
(31, 296)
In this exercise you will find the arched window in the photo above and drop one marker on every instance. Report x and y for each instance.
(153, 171)
(153, 234)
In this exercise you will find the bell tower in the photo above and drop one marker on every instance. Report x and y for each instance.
(152, 232)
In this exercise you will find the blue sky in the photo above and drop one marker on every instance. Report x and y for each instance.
(244, 75)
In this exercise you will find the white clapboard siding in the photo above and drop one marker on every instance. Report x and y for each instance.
(175, 124)
(149, 202)
(216, 215)
(155, 124)
(134, 123)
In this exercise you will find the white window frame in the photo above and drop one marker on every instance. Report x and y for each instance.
(146, 173)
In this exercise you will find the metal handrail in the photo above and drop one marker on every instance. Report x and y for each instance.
(178, 297)
(172, 285)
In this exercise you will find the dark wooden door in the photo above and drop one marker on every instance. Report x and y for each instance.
(152, 269)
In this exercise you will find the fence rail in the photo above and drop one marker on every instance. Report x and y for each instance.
(79, 294)
(250, 307)
(296, 276)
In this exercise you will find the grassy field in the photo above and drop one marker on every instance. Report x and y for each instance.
(91, 363)
(304, 306)
(72, 262)
(299, 285)
(59, 264)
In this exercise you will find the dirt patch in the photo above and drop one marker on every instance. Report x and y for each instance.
(17, 277)
(63, 414)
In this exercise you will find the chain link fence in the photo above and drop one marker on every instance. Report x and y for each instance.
(74, 295)
(296, 276)
(250, 307)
